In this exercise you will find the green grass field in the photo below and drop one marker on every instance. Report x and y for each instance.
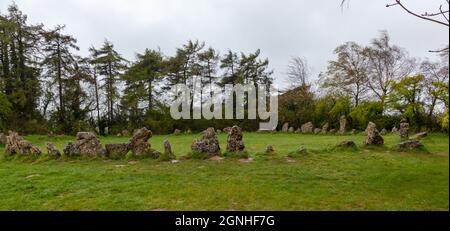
(373, 178)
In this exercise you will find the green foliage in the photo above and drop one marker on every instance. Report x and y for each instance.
(366, 112)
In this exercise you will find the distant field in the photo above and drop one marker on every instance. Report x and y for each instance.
(323, 179)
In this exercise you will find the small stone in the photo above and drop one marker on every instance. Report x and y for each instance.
(347, 144)
(317, 130)
(353, 132)
(383, 131)
(332, 131)
(168, 154)
(307, 127)
(53, 151)
(325, 128)
(409, 145)
(116, 150)
(419, 135)
(269, 149)
(394, 130)
(125, 133)
(291, 129)
(177, 132)
(227, 130)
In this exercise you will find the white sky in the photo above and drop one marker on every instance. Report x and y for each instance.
(281, 29)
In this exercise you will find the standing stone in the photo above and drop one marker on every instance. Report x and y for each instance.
(139, 145)
(269, 149)
(394, 130)
(188, 131)
(285, 127)
(342, 124)
(234, 140)
(291, 129)
(116, 150)
(325, 128)
(177, 132)
(404, 130)
(383, 131)
(168, 154)
(71, 149)
(227, 130)
(53, 151)
(218, 131)
(373, 136)
(208, 144)
(15, 144)
(89, 145)
(2, 139)
(307, 127)
(317, 130)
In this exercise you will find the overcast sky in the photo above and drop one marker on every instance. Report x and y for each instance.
(281, 28)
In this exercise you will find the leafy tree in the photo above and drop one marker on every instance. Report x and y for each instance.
(110, 65)
(59, 61)
(348, 73)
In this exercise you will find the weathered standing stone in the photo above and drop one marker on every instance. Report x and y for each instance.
(218, 131)
(342, 124)
(89, 145)
(383, 131)
(53, 151)
(285, 127)
(139, 145)
(116, 150)
(177, 132)
(307, 127)
(419, 135)
(208, 144)
(234, 140)
(299, 130)
(71, 149)
(409, 145)
(317, 130)
(291, 129)
(325, 128)
(168, 154)
(2, 139)
(15, 144)
(373, 136)
(227, 130)
(188, 131)
(394, 130)
(269, 149)
(404, 130)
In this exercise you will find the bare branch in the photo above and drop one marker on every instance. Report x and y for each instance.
(417, 15)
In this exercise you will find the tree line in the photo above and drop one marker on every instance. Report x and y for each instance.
(46, 87)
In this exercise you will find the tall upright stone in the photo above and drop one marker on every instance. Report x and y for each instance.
(139, 145)
(404, 130)
(373, 135)
(325, 128)
(234, 140)
(285, 127)
(342, 124)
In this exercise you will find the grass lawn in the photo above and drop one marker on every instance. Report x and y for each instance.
(374, 178)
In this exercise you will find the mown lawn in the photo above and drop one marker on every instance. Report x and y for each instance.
(323, 179)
